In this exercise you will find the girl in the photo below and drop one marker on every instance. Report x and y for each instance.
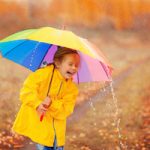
(42, 116)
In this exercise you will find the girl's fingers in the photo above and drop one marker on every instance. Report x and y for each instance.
(42, 109)
(45, 106)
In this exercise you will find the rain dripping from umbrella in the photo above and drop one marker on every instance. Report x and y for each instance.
(112, 110)
(90, 102)
(116, 118)
(33, 54)
(93, 108)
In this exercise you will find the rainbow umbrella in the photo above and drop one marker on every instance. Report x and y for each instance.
(34, 48)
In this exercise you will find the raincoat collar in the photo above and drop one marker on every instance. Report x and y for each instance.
(60, 76)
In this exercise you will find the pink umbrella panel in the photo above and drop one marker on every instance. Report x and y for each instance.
(90, 69)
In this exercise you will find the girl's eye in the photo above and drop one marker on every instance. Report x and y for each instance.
(75, 65)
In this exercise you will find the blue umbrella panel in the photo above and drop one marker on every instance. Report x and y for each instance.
(27, 53)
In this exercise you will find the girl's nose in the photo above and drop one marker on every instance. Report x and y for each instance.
(76, 69)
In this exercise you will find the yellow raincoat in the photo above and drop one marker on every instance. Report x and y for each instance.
(63, 94)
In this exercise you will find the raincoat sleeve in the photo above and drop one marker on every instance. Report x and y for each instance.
(29, 92)
(61, 108)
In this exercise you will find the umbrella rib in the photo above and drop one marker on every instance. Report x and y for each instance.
(78, 77)
(15, 47)
(104, 69)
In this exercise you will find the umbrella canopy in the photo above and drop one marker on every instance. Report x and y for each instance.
(34, 48)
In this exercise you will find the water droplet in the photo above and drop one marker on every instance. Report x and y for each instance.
(116, 119)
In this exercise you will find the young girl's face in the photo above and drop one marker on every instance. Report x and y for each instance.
(69, 65)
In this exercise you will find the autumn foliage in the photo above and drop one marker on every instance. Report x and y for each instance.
(118, 14)
(128, 52)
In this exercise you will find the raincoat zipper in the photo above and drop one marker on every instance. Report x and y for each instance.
(55, 138)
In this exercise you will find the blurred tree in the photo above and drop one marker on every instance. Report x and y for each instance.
(119, 14)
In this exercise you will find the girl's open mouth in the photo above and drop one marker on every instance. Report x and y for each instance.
(70, 73)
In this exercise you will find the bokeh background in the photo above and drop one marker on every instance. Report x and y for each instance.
(105, 118)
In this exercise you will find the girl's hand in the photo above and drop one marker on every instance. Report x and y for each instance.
(47, 101)
(43, 107)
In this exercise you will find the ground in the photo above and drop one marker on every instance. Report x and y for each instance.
(102, 120)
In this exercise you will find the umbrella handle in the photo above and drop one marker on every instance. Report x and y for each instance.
(41, 117)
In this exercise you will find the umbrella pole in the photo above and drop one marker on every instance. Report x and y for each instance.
(50, 81)
(42, 115)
